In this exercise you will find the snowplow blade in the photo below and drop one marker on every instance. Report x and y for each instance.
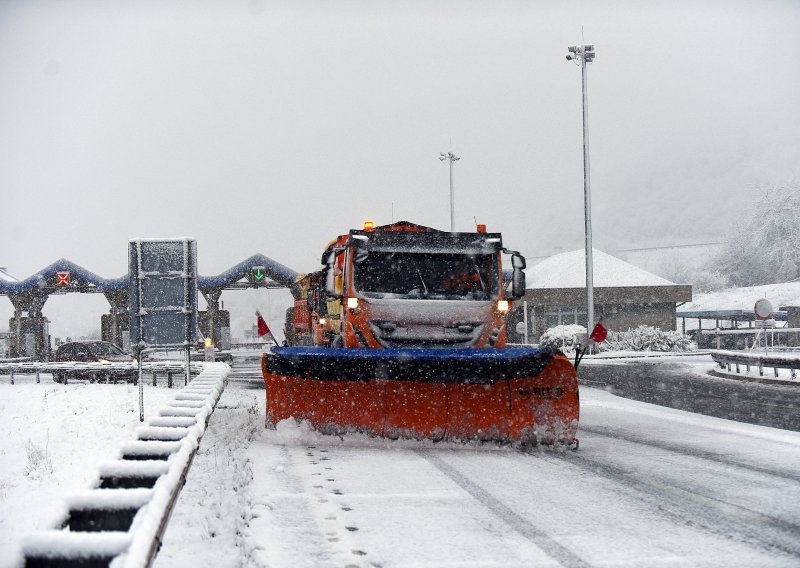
(507, 395)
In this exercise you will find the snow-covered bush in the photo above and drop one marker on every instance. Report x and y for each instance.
(564, 337)
(647, 338)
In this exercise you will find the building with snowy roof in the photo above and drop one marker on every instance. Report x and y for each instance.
(625, 296)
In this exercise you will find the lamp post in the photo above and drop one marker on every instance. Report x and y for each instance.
(585, 54)
(450, 157)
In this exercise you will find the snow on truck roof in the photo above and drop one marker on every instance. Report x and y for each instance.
(568, 270)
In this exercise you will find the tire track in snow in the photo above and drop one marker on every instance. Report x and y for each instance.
(689, 507)
(521, 525)
(688, 451)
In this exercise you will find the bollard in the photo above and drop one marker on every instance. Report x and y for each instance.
(154, 377)
(760, 370)
(37, 375)
(12, 375)
(776, 372)
(169, 379)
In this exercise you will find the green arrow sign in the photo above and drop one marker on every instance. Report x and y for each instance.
(258, 274)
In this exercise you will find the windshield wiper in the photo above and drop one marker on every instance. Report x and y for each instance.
(424, 287)
(480, 278)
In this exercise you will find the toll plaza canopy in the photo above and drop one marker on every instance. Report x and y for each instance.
(65, 275)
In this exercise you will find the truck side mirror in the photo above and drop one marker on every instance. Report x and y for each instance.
(518, 277)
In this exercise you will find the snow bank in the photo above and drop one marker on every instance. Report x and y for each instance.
(745, 298)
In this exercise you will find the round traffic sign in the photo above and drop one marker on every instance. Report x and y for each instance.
(520, 327)
(763, 309)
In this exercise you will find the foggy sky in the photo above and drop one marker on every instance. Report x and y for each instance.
(274, 126)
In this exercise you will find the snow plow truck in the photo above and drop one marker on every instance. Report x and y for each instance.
(402, 333)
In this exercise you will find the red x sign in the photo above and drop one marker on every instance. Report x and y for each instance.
(62, 279)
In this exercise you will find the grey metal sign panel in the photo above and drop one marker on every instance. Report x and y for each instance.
(163, 292)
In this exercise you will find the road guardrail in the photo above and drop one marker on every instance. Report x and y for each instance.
(737, 359)
(124, 517)
(96, 371)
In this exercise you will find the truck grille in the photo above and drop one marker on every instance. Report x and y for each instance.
(391, 334)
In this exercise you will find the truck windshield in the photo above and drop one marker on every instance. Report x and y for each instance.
(433, 276)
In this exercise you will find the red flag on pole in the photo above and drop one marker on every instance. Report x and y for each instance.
(599, 333)
(263, 328)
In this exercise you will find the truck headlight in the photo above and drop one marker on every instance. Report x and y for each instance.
(352, 303)
(502, 306)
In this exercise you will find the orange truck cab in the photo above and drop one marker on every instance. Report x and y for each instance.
(406, 285)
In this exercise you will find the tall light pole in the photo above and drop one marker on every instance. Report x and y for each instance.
(585, 54)
(450, 157)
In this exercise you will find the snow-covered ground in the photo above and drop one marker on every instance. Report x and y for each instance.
(648, 486)
(744, 298)
(54, 436)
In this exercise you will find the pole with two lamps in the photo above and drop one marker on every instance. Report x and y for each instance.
(584, 54)
(450, 157)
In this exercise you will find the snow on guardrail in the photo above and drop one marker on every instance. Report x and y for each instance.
(64, 371)
(121, 521)
(726, 359)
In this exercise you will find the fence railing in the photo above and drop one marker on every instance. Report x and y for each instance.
(94, 371)
(765, 333)
(775, 361)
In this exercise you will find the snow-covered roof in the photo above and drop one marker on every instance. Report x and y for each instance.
(5, 276)
(568, 270)
(785, 294)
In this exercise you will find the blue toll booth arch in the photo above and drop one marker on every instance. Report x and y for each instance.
(29, 327)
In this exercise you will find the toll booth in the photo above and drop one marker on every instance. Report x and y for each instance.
(215, 325)
(30, 337)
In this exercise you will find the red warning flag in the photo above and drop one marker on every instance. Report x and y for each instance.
(263, 328)
(599, 333)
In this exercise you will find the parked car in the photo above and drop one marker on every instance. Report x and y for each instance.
(92, 352)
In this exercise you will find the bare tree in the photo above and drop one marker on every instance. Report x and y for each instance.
(765, 249)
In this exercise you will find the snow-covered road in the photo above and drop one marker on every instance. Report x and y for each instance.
(649, 486)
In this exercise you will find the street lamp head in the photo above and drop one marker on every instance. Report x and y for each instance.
(570, 57)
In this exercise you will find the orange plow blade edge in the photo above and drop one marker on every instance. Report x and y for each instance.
(508, 395)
